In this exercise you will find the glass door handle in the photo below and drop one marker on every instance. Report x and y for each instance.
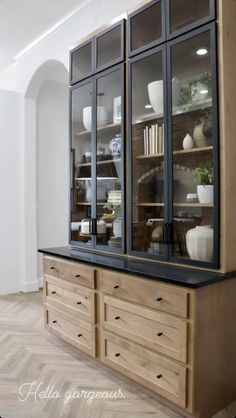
(94, 226)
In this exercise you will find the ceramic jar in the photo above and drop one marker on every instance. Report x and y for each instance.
(188, 142)
(157, 234)
(205, 193)
(117, 228)
(102, 118)
(155, 93)
(198, 136)
(199, 242)
(115, 146)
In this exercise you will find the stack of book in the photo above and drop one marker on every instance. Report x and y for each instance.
(153, 138)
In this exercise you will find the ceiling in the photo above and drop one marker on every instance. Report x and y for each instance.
(21, 21)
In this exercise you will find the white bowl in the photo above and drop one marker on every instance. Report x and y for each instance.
(155, 93)
(102, 118)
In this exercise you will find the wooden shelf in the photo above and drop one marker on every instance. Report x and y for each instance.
(193, 150)
(193, 205)
(145, 157)
(113, 160)
(107, 128)
(89, 203)
(150, 204)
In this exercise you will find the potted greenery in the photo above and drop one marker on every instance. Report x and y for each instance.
(115, 212)
(204, 179)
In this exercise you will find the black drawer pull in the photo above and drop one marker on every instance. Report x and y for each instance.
(159, 376)
(80, 335)
(54, 292)
(117, 317)
(158, 299)
(52, 268)
(79, 303)
(159, 334)
(77, 275)
(117, 355)
(116, 286)
(54, 322)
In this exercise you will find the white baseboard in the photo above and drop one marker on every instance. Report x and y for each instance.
(27, 287)
(40, 282)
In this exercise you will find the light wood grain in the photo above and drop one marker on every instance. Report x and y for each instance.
(172, 299)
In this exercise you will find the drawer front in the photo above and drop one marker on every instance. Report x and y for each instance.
(154, 330)
(71, 298)
(68, 270)
(146, 292)
(78, 333)
(160, 375)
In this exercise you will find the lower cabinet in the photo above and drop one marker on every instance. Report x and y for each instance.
(169, 338)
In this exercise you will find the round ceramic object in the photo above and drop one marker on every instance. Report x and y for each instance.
(157, 234)
(198, 136)
(188, 142)
(199, 242)
(102, 119)
(115, 145)
(155, 93)
(205, 193)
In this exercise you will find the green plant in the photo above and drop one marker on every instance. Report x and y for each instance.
(114, 209)
(205, 174)
(190, 89)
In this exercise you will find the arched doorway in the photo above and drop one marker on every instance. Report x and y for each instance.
(46, 168)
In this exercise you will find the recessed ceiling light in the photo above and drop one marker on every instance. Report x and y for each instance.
(148, 106)
(204, 91)
(202, 51)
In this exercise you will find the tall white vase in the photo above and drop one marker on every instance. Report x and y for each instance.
(199, 242)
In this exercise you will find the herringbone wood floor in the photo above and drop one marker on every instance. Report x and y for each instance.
(28, 353)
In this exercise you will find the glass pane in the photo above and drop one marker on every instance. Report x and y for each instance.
(82, 62)
(146, 26)
(186, 12)
(147, 155)
(109, 167)
(109, 47)
(81, 164)
(192, 148)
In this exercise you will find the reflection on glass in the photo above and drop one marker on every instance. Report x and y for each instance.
(146, 26)
(109, 47)
(186, 12)
(81, 164)
(81, 62)
(193, 174)
(147, 155)
(108, 167)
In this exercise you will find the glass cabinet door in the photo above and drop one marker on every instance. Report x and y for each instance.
(81, 62)
(185, 14)
(81, 153)
(147, 188)
(109, 159)
(194, 139)
(110, 46)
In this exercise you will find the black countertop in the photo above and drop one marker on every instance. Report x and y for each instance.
(162, 272)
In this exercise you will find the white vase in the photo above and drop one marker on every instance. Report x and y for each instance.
(117, 228)
(205, 193)
(188, 142)
(199, 242)
(155, 93)
(198, 136)
(102, 118)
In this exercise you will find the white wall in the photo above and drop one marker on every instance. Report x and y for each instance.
(11, 128)
(52, 166)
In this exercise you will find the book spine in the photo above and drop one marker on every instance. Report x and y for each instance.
(144, 142)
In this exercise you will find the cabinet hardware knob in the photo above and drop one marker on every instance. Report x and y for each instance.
(116, 286)
(77, 275)
(79, 303)
(80, 335)
(159, 376)
(53, 293)
(54, 322)
(159, 334)
(158, 299)
(117, 355)
(52, 268)
(117, 317)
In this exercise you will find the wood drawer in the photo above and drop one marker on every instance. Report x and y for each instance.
(71, 298)
(153, 329)
(68, 270)
(158, 374)
(75, 332)
(146, 292)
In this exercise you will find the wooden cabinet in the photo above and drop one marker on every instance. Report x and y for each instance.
(177, 341)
